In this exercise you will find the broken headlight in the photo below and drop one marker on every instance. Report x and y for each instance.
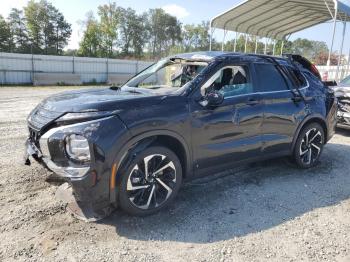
(70, 118)
(77, 148)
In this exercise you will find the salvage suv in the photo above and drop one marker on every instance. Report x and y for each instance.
(183, 117)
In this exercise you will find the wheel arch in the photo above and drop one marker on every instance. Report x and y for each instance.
(308, 120)
(167, 138)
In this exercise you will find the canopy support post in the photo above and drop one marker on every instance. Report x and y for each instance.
(235, 45)
(341, 51)
(265, 51)
(256, 44)
(211, 30)
(246, 43)
(348, 69)
(274, 47)
(282, 45)
(333, 35)
(223, 40)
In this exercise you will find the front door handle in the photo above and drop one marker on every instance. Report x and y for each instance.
(252, 102)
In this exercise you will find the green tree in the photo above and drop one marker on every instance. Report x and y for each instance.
(62, 30)
(5, 36)
(132, 32)
(90, 43)
(196, 37)
(47, 28)
(164, 31)
(33, 15)
(109, 19)
(303, 47)
(19, 33)
(139, 35)
(47, 13)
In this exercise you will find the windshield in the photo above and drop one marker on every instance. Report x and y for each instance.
(167, 74)
(346, 81)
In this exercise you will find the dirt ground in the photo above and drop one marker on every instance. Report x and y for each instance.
(268, 211)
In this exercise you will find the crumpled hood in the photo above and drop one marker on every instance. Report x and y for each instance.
(342, 91)
(101, 99)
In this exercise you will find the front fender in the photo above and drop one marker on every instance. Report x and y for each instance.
(134, 144)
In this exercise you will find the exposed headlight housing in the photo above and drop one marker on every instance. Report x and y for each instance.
(77, 148)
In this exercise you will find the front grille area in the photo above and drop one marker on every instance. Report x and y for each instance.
(41, 117)
(33, 134)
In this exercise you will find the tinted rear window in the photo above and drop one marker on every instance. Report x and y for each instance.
(269, 79)
(297, 77)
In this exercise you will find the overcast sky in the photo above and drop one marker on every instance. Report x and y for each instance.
(187, 11)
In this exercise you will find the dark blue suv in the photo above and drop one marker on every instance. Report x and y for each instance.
(183, 117)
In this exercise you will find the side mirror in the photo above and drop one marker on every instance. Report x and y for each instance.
(213, 98)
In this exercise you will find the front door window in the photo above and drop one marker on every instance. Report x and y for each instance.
(230, 81)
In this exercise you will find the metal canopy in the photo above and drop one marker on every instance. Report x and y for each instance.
(277, 19)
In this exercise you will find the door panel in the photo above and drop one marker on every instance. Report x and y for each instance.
(281, 117)
(282, 111)
(228, 133)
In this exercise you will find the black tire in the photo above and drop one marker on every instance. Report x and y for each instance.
(143, 195)
(309, 146)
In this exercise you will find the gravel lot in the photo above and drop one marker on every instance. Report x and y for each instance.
(267, 211)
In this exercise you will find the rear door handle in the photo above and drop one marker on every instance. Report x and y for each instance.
(252, 102)
(297, 99)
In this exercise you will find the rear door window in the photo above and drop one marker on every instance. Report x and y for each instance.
(269, 79)
(298, 79)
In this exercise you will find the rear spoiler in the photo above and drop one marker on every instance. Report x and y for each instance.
(302, 61)
(309, 66)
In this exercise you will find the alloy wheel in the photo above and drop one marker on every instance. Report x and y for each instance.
(151, 181)
(310, 146)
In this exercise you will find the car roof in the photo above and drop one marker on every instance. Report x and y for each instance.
(220, 55)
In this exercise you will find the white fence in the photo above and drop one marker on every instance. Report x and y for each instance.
(330, 72)
(42, 69)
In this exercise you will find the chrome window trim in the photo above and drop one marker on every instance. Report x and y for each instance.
(272, 92)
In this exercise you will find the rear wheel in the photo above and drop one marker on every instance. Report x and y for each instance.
(151, 181)
(309, 145)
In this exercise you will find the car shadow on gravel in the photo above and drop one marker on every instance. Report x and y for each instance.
(343, 132)
(242, 201)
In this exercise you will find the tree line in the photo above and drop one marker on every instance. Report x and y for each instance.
(118, 32)
(39, 28)
(121, 32)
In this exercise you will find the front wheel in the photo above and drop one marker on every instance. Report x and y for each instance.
(150, 182)
(309, 145)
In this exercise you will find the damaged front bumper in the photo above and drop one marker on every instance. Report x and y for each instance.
(343, 120)
(31, 150)
(343, 114)
(88, 189)
(76, 191)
